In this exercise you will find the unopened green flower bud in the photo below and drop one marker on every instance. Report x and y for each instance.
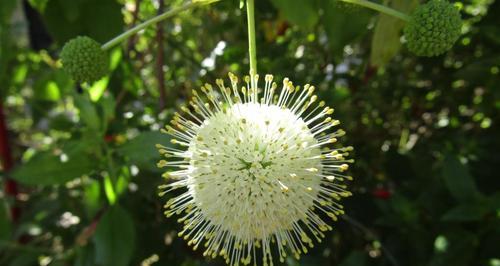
(433, 28)
(83, 58)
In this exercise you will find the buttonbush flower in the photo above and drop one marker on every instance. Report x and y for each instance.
(259, 168)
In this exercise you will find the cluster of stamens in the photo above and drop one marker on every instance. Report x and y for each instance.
(259, 170)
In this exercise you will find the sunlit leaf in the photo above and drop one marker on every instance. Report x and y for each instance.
(109, 189)
(98, 88)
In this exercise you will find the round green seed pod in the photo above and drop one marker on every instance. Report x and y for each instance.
(83, 58)
(433, 28)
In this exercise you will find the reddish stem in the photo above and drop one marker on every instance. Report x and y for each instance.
(10, 186)
(371, 70)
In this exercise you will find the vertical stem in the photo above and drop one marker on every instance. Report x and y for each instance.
(159, 60)
(135, 17)
(251, 36)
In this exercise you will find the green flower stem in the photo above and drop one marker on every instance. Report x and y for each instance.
(165, 15)
(380, 8)
(251, 36)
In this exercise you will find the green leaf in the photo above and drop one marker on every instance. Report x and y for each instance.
(39, 5)
(57, 167)
(88, 113)
(493, 33)
(115, 238)
(342, 27)
(71, 10)
(85, 256)
(5, 225)
(25, 259)
(386, 37)
(49, 91)
(106, 109)
(97, 89)
(458, 180)
(6, 9)
(299, 12)
(99, 19)
(142, 151)
(465, 213)
(459, 251)
(109, 189)
(122, 182)
(91, 197)
(355, 258)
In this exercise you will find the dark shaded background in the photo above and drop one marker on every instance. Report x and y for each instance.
(82, 159)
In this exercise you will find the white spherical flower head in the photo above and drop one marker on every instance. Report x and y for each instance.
(254, 162)
(259, 167)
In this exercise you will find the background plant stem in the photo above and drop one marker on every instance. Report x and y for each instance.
(380, 8)
(154, 20)
(252, 53)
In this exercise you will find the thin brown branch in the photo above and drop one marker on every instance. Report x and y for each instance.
(135, 17)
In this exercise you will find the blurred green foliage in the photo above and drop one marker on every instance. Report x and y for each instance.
(426, 132)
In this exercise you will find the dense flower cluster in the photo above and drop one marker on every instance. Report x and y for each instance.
(259, 169)
(84, 60)
(433, 28)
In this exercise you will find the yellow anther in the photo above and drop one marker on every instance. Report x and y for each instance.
(311, 90)
(161, 164)
(166, 175)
